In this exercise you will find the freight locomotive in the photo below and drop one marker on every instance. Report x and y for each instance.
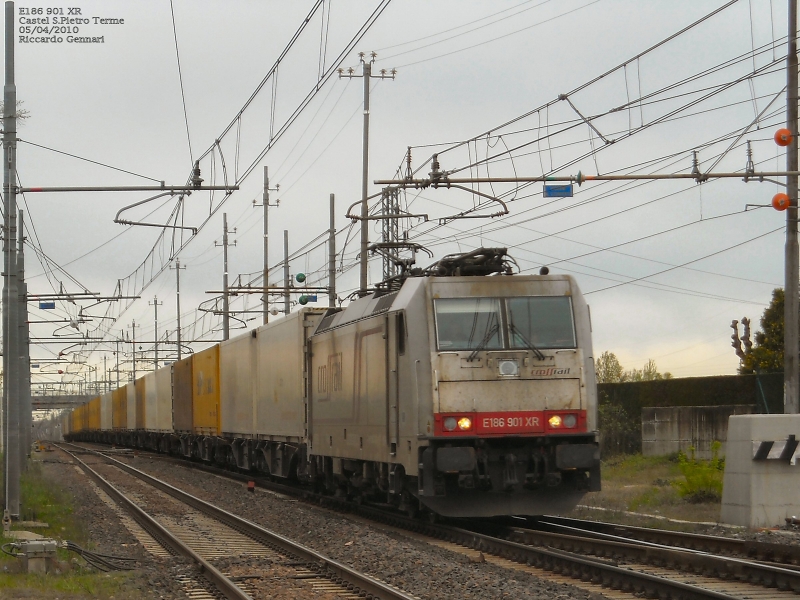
(465, 391)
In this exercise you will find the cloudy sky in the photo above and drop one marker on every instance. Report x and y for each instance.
(665, 265)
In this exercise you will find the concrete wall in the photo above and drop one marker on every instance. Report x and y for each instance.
(672, 429)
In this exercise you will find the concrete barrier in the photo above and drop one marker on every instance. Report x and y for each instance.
(762, 477)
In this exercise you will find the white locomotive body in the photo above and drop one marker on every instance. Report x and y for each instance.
(465, 395)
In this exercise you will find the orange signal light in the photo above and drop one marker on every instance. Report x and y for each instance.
(783, 137)
(780, 202)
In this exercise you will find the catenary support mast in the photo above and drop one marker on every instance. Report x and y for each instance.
(11, 355)
(791, 376)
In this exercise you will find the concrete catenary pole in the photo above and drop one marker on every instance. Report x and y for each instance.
(178, 268)
(332, 255)
(791, 376)
(117, 354)
(155, 303)
(225, 310)
(265, 276)
(366, 74)
(286, 276)
(133, 327)
(11, 396)
(367, 66)
(26, 415)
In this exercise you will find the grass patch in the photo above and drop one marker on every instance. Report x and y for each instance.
(43, 500)
(702, 479)
(67, 586)
(650, 485)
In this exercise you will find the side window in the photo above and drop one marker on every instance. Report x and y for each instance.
(401, 333)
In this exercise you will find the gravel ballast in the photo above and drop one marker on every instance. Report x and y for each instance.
(414, 566)
(153, 577)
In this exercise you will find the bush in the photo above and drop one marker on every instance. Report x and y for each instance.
(620, 432)
(702, 478)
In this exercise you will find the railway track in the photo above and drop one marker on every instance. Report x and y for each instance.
(629, 567)
(763, 551)
(207, 534)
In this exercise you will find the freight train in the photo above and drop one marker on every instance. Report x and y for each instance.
(465, 391)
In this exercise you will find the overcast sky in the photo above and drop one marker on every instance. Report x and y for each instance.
(463, 68)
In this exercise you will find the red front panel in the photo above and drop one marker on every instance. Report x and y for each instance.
(499, 423)
(509, 423)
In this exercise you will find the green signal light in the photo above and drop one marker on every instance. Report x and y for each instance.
(300, 277)
(303, 300)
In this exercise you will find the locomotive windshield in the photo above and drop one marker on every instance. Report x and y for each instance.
(544, 321)
(514, 323)
(468, 323)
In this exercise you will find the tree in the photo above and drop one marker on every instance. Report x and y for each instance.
(608, 369)
(765, 355)
(649, 372)
(22, 113)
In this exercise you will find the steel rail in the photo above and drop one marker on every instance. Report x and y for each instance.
(227, 587)
(581, 567)
(651, 553)
(767, 551)
(335, 570)
(597, 570)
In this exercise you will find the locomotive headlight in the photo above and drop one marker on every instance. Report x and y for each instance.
(570, 421)
(450, 423)
(508, 368)
(465, 423)
(555, 421)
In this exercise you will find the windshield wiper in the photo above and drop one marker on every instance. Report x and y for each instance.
(489, 335)
(528, 344)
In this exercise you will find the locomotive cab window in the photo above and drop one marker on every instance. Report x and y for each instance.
(468, 323)
(544, 321)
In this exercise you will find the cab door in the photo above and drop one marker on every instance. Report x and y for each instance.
(395, 346)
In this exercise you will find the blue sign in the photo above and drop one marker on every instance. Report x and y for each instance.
(47, 305)
(34, 365)
(558, 191)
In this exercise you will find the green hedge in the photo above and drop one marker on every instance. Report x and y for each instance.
(620, 404)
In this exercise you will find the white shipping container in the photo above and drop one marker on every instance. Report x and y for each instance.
(164, 394)
(237, 380)
(105, 412)
(131, 405)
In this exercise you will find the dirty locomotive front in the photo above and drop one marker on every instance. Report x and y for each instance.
(461, 395)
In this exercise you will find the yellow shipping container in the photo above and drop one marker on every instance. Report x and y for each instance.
(119, 408)
(205, 392)
(93, 414)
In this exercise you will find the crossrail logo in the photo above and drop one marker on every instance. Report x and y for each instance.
(549, 372)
